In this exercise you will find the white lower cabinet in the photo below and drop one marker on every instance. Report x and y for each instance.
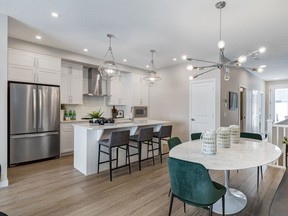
(66, 138)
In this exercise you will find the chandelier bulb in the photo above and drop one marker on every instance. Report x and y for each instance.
(221, 44)
(189, 67)
(260, 70)
(242, 59)
(227, 77)
(184, 57)
(262, 50)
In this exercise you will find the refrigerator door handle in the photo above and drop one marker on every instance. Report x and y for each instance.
(33, 135)
(34, 108)
(40, 107)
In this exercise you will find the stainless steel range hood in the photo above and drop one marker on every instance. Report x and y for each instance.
(95, 83)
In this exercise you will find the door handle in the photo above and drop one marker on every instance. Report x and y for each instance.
(192, 119)
(40, 107)
(34, 108)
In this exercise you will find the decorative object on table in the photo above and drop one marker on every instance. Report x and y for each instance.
(233, 100)
(223, 137)
(224, 62)
(152, 78)
(120, 114)
(108, 68)
(234, 134)
(208, 140)
(114, 112)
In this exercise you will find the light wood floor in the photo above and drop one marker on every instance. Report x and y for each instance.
(55, 188)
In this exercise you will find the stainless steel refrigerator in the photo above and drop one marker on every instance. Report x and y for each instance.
(34, 122)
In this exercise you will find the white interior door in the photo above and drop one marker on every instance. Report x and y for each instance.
(202, 106)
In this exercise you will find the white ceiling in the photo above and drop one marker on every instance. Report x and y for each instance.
(171, 27)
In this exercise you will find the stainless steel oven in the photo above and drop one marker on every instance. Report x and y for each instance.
(139, 112)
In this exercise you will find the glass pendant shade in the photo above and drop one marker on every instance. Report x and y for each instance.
(153, 77)
(108, 68)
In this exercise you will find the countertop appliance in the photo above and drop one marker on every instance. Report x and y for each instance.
(139, 112)
(34, 122)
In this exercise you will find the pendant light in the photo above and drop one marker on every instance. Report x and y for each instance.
(152, 78)
(108, 68)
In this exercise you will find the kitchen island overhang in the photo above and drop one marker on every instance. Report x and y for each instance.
(86, 137)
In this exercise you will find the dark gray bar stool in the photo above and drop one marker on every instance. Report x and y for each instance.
(163, 134)
(117, 139)
(144, 136)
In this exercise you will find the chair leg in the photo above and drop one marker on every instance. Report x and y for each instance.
(171, 204)
(117, 154)
(184, 207)
(160, 150)
(169, 192)
(211, 210)
(261, 171)
(110, 163)
(139, 154)
(98, 165)
(153, 153)
(128, 154)
(257, 177)
(223, 205)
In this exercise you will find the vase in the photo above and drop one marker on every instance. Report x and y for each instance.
(208, 140)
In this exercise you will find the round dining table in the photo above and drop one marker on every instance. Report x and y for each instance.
(247, 154)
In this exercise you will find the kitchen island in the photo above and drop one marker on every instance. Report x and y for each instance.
(86, 137)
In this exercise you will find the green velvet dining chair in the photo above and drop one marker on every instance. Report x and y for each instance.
(255, 136)
(195, 136)
(191, 183)
(172, 142)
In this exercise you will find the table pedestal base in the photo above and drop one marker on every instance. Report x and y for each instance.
(235, 201)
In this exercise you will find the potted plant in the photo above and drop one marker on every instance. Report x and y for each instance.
(95, 114)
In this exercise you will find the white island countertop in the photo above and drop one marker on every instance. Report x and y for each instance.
(86, 138)
(137, 123)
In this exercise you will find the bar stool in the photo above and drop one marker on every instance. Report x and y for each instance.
(163, 134)
(144, 136)
(117, 140)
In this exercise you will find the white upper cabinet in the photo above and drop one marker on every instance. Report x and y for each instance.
(139, 90)
(117, 90)
(71, 83)
(32, 67)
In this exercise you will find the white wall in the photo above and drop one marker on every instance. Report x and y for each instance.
(169, 100)
(3, 98)
(239, 77)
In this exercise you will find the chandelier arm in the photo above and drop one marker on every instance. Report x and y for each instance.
(201, 60)
(200, 74)
(207, 66)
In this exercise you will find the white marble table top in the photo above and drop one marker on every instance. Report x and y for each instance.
(246, 154)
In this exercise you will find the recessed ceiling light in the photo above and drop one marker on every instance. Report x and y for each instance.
(38, 37)
(85, 50)
(125, 60)
(276, 78)
(54, 14)
(174, 59)
(147, 66)
(263, 66)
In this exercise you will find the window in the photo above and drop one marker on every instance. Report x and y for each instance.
(281, 104)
